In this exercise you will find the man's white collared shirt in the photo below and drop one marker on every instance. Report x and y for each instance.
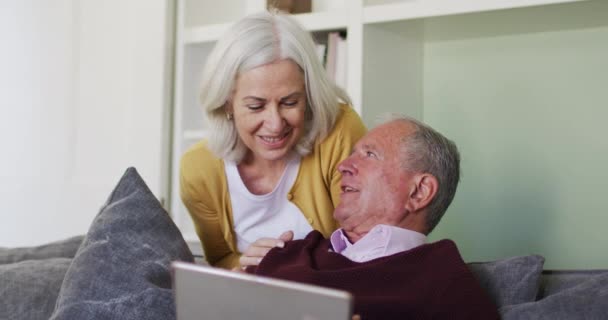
(381, 241)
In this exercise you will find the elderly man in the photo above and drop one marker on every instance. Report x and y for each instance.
(396, 186)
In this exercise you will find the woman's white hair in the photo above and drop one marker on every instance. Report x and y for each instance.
(253, 41)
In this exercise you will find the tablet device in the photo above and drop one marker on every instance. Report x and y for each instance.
(203, 292)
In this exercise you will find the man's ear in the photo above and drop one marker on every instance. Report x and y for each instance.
(426, 186)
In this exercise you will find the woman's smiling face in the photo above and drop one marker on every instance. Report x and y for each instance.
(268, 104)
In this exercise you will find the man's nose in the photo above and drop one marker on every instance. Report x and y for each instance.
(347, 166)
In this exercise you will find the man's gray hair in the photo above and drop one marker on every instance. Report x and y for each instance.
(429, 151)
(253, 41)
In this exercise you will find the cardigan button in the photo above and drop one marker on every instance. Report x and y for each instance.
(290, 196)
(311, 221)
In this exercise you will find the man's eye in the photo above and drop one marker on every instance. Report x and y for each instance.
(370, 154)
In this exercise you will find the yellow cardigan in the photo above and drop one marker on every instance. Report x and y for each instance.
(316, 191)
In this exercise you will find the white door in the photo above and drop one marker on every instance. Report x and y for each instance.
(83, 95)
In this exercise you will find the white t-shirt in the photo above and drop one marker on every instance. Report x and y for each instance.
(267, 215)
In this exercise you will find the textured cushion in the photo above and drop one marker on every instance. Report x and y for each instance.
(58, 249)
(122, 268)
(554, 281)
(29, 289)
(586, 300)
(510, 281)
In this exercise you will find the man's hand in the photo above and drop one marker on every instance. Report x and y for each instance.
(257, 250)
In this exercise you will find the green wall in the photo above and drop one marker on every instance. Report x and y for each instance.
(524, 94)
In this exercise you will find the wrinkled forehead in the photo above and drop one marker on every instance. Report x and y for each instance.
(391, 133)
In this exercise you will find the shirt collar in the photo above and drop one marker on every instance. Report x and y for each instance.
(382, 240)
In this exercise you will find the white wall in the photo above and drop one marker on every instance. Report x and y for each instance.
(82, 96)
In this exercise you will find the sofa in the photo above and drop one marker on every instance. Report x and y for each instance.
(121, 270)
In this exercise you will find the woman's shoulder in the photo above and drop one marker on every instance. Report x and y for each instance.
(347, 116)
(348, 126)
(199, 151)
(199, 161)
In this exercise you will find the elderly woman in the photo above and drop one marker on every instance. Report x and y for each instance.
(278, 127)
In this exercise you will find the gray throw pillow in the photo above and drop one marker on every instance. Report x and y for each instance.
(28, 289)
(555, 281)
(587, 300)
(122, 268)
(58, 249)
(510, 281)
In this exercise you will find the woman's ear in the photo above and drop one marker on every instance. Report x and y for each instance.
(228, 110)
(423, 192)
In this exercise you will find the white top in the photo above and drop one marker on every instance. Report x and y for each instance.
(267, 215)
(381, 241)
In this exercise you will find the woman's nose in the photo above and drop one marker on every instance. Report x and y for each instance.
(274, 120)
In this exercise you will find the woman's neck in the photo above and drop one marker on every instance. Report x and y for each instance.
(263, 165)
(261, 176)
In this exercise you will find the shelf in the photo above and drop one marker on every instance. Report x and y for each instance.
(473, 69)
(332, 20)
(432, 8)
(316, 21)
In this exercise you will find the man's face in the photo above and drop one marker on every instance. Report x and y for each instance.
(375, 184)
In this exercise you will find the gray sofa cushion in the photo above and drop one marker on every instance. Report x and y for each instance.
(585, 300)
(122, 268)
(28, 289)
(510, 281)
(554, 281)
(58, 249)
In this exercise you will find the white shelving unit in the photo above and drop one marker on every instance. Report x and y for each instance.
(385, 57)
(387, 11)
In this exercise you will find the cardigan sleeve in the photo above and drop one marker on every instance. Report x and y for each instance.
(201, 191)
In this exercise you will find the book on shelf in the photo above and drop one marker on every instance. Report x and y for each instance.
(336, 58)
(333, 56)
(340, 76)
(332, 47)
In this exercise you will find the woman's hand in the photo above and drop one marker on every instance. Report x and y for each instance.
(257, 250)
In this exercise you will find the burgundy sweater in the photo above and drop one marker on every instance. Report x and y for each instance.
(428, 282)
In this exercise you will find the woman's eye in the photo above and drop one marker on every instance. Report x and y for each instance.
(370, 154)
(290, 103)
(255, 106)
